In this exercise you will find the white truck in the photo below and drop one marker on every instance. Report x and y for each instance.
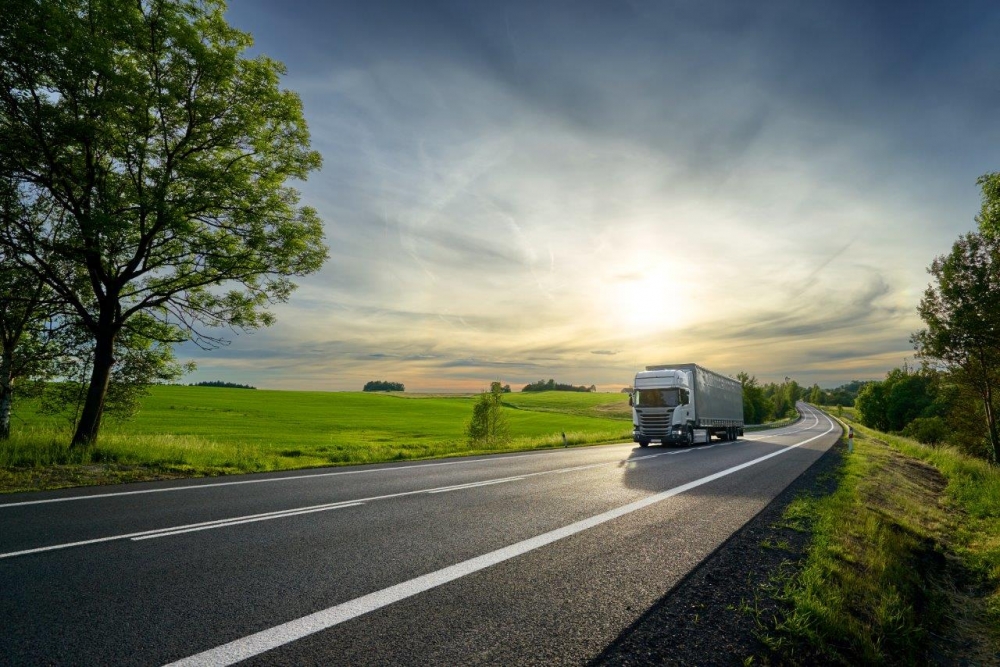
(684, 404)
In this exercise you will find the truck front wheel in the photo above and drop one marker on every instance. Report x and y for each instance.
(690, 435)
(644, 443)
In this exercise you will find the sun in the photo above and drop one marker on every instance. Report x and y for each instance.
(656, 299)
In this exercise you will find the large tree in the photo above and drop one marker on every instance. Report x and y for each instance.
(164, 153)
(962, 312)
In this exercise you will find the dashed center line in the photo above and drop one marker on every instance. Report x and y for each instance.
(473, 485)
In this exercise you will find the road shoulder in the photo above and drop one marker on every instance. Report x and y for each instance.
(712, 616)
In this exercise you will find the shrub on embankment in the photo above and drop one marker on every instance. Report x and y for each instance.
(904, 565)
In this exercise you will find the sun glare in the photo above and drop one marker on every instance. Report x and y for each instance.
(656, 299)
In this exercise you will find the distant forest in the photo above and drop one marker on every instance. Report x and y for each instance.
(552, 385)
(220, 383)
(382, 385)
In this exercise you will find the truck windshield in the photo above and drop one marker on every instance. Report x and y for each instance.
(661, 398)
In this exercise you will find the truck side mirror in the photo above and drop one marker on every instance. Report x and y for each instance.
(631, 402)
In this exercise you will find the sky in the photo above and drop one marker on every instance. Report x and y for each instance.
(518, 191)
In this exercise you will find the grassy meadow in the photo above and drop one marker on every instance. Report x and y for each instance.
(904, 565)
(192, 431)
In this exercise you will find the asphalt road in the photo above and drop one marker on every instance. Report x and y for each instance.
(536, 558)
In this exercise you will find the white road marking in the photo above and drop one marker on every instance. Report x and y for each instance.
(290, 478)
(473, 485)
(232, 521)
(223, 524)
(279, 635)
(253, 518)
(196, 487)
(186, 528)
(784, 433)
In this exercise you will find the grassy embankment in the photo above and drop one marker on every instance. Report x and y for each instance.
(195, 431)
(904, 566)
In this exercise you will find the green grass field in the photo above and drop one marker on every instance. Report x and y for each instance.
(185, 431)
(904, 567)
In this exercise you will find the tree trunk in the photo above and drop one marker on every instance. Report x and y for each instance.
(991, 418)
(6, 394)
(93, 407)
(991, 422)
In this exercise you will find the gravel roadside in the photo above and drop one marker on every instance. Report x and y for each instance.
(707, 619)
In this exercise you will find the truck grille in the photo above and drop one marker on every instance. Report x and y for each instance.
(653, 425)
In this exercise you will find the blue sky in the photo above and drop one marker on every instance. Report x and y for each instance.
(519, 191)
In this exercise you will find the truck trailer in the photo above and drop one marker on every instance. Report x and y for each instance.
(681, 404)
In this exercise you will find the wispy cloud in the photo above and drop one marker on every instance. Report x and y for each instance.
(515, 189)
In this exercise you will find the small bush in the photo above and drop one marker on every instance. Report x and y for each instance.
(488, 426)
(927, 430)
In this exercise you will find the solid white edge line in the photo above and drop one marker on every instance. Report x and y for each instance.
(266, 640)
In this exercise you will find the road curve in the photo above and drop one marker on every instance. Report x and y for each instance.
(542, 557)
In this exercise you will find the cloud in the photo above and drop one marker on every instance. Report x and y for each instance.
(514, 188)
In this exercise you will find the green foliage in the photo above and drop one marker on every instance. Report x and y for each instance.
(488, 426)
(989, 214)
(382, 385)
(962, 312)
(161, 155)
(552, 385)
(871, 406)
(843, 395)
(140, 362)
(768, 402)
(754, 402)
(928, 430)
(31, 323)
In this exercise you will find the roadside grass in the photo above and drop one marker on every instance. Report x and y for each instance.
(197, 431)
(904, 564)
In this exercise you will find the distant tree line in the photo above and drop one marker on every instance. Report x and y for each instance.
(220, 383)
(382, 385)
(843, 395)
(552, 385)
(764, 403)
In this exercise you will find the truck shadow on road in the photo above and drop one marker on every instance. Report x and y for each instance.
(659, 469)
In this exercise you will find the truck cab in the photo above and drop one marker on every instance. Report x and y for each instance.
(662, 407)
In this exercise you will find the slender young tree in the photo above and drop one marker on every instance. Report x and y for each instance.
(165, 154)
